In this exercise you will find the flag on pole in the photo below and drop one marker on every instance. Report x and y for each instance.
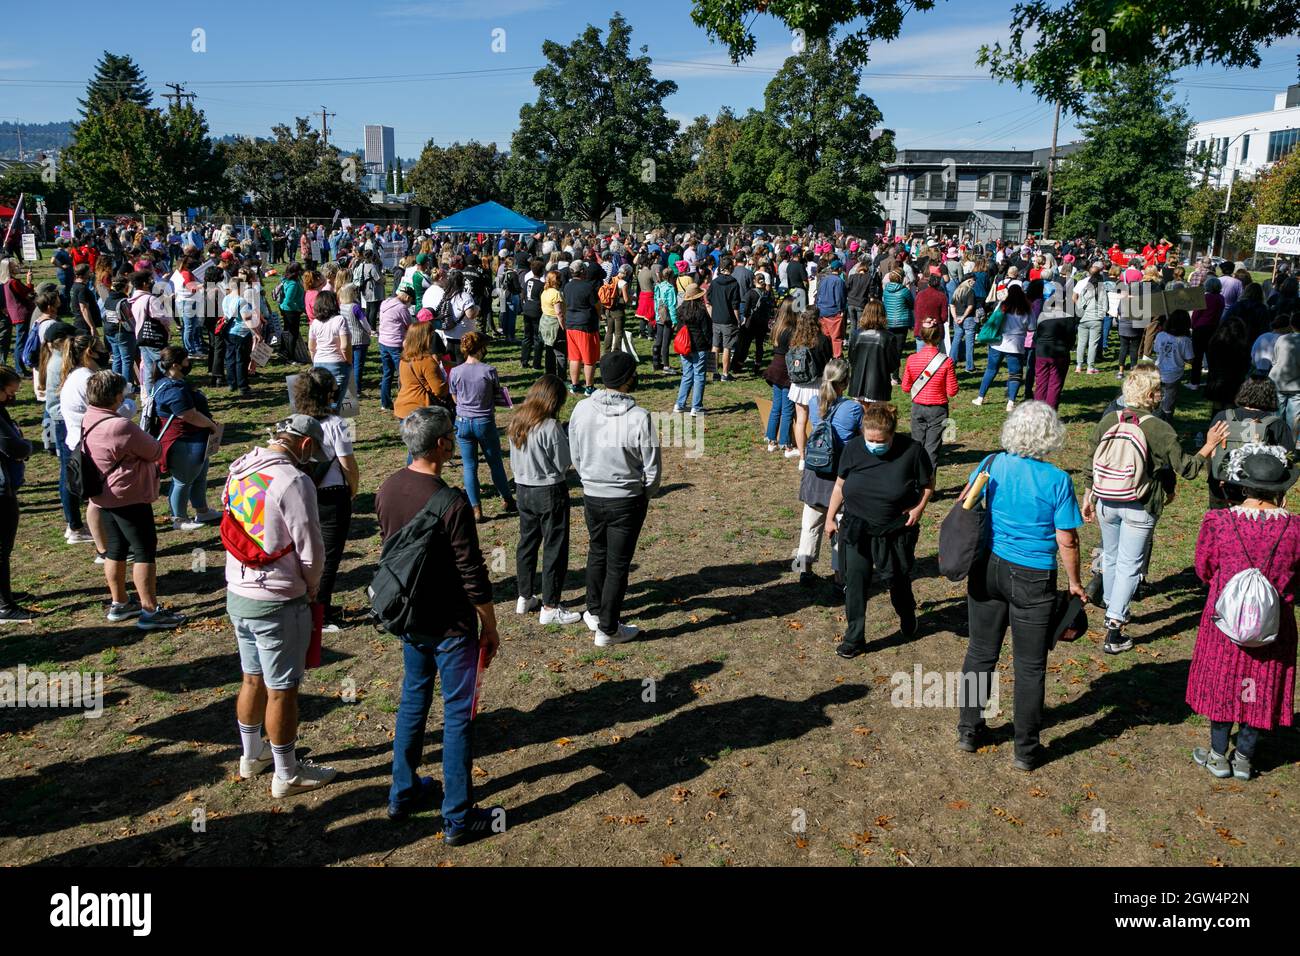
(16, 220)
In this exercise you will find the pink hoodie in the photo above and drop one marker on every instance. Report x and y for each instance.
(276, 504)
(126, 456)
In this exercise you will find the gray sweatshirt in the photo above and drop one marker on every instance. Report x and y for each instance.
(544, 458)
(1285, 372)
(615, 447)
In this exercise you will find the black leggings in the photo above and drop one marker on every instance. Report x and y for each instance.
(335, 507)
(1130, 347)
(8, 532)
(130, 529)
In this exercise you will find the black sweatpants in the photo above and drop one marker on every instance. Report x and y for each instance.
(543, 523)
(8, 533)
(335, 507)
(613, 526)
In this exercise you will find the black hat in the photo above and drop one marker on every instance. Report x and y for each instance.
(617, 369)
(1264, 467)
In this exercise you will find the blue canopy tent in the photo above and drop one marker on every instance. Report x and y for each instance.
(487, 217)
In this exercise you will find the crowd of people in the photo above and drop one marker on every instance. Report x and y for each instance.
(837, 325)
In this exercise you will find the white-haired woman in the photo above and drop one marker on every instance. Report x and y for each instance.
(1034, 520)
(1128, 524)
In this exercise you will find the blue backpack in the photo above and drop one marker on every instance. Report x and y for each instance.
(32, 347)
(822, 453)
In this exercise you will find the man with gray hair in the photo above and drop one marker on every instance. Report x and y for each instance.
(457, 631)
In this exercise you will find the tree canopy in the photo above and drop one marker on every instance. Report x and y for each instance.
(295, 173)
(117, 78)
(448, 179)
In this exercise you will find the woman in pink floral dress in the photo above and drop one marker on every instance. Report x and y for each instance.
(1251, 686)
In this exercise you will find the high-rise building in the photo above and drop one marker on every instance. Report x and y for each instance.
(380, 150)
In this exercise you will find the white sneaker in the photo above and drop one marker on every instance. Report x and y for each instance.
(977, 400)
(80, 537)
(1078, 370)
(771, 446)
(800, 463)
(310, 776)
(558, 615)
(187, 524)
(251, 767)
(527, 604)
(592, 622)
(626, 632)
(678, 410)
(791, 453)
(1011, 406)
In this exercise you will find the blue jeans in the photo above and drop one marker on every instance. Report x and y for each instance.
(342, 372)
(996, 359)
(187, 463)
(963, 340)
(693, 365)
(508, 316)
(1125, 529)
(456, 657)
(359, 364)
(123, 356)
(148, 371)
(1106, 323)
(71, 503)
(1288, 406)
(192, 334)
(778, 422)
(471, 435)
(390, 359)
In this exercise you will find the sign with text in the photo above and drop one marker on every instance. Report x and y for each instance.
(29, 247)
(1280, 240)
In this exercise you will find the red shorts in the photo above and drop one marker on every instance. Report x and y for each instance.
(584, 347)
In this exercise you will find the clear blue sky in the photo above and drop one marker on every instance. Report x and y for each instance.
(267, 62)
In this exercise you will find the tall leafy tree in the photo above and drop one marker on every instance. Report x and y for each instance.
(448, 179)
(1274, 199)
(295, 173)
(598, 135)
(127, 157)
(117, 79)
(1049, 43)
(1132, 170)
(703, 154)
(815, 150)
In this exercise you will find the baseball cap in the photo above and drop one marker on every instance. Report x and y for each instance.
(303, 426)
(422, 258)
(424, 315)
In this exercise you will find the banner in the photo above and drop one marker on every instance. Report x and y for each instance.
(29, 247)
(1280, 240)
(390, 252)
(15, 221)
(618, 216)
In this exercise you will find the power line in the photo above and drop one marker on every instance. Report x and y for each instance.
(178, 93)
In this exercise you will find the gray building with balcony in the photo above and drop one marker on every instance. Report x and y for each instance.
(985, 193)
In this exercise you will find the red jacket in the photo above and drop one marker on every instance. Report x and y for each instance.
(941, 386)
(930, 303)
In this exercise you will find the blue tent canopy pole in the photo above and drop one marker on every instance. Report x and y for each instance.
(487, 217)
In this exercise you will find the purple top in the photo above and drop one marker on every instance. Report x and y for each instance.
(474, 386)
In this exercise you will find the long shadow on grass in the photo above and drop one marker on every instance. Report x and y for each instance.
(674, 752)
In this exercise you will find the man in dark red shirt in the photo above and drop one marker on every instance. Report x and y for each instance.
(932, 304)
(450, 643)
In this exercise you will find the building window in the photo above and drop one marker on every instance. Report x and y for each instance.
(918, 188)
(1281, 142)
(1223, 151)
(982, 190)
(939, 189)
(1001, 186)
(1015, 189)
(1245, 149)
(1011, 228)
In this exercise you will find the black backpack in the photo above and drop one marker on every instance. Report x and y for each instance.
(801, 365)
(400, 576)
(84, 477)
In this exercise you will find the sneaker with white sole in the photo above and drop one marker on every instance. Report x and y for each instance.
(771, 447)
(678, 410)
(591, 620)
(801, 463)
(159, 619)
(526, 605)
(250, 767)
(208, 517)
(123, 612)
(791, 453)
(1011, 406)
(310, 777)
(625, 633)
(558, 615)
(977, 400)
(80, 536)
(187, 524)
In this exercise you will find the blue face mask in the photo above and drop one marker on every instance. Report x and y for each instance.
(877, 448)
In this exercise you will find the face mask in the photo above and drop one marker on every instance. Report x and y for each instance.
(877, 448)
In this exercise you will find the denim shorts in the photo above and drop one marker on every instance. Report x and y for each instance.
(275, 647)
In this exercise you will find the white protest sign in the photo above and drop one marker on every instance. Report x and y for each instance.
(1280, 240)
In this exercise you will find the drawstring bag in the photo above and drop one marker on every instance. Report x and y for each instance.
(1249, 610)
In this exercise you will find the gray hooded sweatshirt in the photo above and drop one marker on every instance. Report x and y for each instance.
(615, 447)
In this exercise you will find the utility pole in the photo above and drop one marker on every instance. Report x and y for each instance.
(1051, 172)
(177, 95)
(18, 125)
(325, 125)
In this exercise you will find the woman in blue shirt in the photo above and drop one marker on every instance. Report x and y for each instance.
(1034, 517)
(187, 426)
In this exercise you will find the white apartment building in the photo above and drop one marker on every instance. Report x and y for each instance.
(1240, 146)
